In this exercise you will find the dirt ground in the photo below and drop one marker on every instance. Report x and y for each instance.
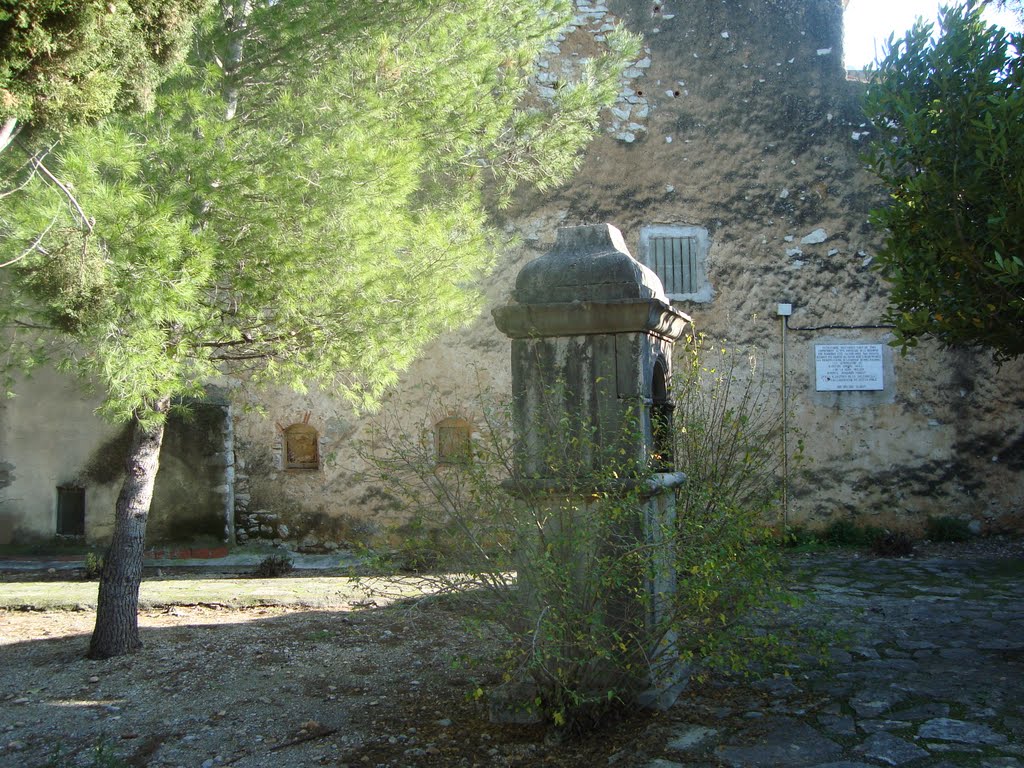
(362, 685)
(269, 686)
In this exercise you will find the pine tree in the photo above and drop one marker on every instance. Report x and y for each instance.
(307, 203)
(67, 61)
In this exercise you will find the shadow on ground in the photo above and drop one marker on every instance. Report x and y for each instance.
(930, 674)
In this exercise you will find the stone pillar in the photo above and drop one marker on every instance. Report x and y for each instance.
(592, 333)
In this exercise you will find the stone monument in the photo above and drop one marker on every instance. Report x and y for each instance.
(592, 333)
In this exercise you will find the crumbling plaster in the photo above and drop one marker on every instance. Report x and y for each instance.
(751, 131)
(736, 118)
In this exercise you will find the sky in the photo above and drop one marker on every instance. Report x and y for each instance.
(868, 24)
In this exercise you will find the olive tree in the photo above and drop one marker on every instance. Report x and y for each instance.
(948, 116)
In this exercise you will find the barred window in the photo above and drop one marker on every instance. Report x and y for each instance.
(678, 255)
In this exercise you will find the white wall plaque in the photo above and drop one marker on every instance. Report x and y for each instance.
(848, 367)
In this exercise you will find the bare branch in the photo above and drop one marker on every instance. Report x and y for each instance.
(34, 246)
(30, 162)
(319, 732)
(86, 221)
(31, 326)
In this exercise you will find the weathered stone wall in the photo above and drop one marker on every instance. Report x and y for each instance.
(311, 509)
(738, 119)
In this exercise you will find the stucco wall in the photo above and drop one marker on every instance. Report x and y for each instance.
(50, 437)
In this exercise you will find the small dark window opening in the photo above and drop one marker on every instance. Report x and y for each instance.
(662, 408)
(454, 441)
(70, 511)
(301, 447)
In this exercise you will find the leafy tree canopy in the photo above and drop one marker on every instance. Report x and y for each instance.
(66, 61)
(306, 203)
(326, 231)
(948, 113)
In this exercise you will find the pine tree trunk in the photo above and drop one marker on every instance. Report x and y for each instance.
(8, 131)
(117, 620)
(236, 17)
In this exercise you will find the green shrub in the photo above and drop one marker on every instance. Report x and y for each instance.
(947, 528)
(101, 755)
(729, 442)
(93, 567)
(848, 533)
(543, 567)
(274, 566)
(897, 544)
(561, 572)
(797, 536)
(420, 548)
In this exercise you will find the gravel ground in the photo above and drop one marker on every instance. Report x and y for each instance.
(363, 685)
(253, 687)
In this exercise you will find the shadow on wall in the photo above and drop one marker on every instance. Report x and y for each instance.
(193, 484)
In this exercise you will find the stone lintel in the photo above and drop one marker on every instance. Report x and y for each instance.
(587, 318)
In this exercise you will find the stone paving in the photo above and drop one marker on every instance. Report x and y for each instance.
(929, 674)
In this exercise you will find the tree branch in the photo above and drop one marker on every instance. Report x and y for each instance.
(10, 129)
(316, 733)
(86, 221)
(35, 244)
(30, 162)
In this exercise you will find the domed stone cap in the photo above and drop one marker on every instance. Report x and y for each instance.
(588, 263)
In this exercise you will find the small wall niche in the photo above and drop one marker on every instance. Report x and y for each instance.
(301, 448)
(662, 408)
(453, 439)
